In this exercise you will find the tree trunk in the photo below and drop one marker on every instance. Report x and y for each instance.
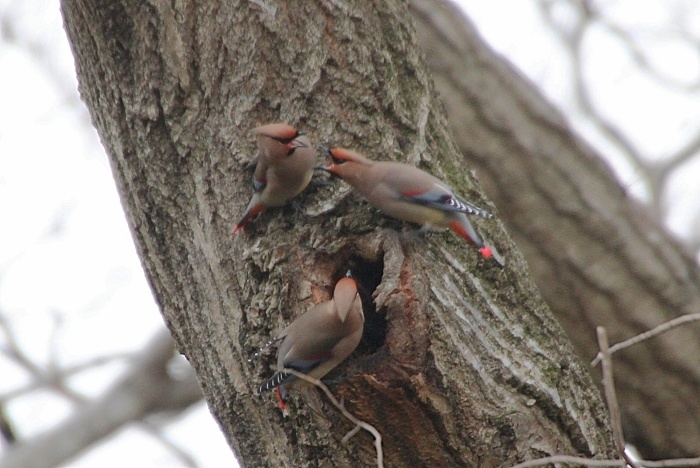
(461, 364)
(595, 254)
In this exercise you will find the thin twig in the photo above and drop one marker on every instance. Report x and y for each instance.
(350, 434)
(671, 462)
(155, 431)
(611, 397)
(664, 327)
(571, 460)
(591, 462)
(50, 379)
(609, 387)
(6, 428)
(358, 422)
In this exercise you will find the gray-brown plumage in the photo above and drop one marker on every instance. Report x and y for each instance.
(284, 168)
(408, 193)
(320, 339)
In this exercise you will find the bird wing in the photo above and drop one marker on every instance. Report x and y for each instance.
(260, 175)
(442, 198)
(282, 377)
(259, 185)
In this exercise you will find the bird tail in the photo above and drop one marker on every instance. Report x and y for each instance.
(252, 212)
(461, 225)
(277, 380)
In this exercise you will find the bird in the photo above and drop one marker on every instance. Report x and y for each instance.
(320, 339)
(407, 193)
(285, 165)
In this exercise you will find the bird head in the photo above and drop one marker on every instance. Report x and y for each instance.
(344, 296)
(301, 141)
(282, 134)
(339, 159)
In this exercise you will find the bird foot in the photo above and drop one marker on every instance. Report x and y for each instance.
(297, 206)
(319, 182)
(250, 165)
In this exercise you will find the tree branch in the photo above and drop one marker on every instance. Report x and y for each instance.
(358, 422)
(664, 327)
(146, 388)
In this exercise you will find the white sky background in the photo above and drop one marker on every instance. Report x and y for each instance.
(71, 285)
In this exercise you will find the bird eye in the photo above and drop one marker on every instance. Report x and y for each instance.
(337, 161)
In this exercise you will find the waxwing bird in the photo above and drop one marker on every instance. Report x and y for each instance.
(320, 339)
(284, 168)
(408, 193)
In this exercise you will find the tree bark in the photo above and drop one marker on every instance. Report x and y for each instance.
(596, 255)
(461, 364)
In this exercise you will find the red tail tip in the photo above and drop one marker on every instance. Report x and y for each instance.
(248, 216)
(486, 252)
(283, 406)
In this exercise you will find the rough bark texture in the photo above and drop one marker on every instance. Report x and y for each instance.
(596, 256)
(462, 363)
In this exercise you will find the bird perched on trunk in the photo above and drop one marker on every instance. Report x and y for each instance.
(407, 193)
(320, 339)
(284, 168)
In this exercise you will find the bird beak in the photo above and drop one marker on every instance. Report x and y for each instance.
(329, 167)
(297, 144)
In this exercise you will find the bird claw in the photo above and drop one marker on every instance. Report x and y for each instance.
(250, 165)
(319, 182)
(297, 206)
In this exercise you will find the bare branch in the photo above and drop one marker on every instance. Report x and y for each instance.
(155, 431)
(637, 53)
(611, 397)
(664, 327)
(146, 388)
(52, 379)
(6, 430)
(672, 462)
(591, 462)
(685, 154)
(358, 422)
(13, 350)
(571, 460)
(572, 40)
